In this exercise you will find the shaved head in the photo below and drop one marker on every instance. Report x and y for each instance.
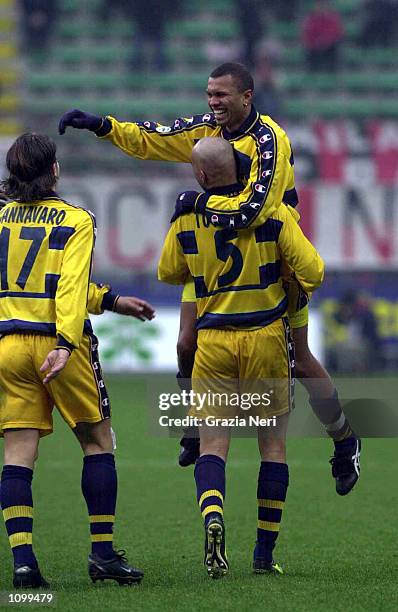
(214, 163)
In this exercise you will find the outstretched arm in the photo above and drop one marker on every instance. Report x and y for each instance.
(145, 139)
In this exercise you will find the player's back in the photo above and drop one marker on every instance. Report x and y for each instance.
(33, 241)
(237, 274)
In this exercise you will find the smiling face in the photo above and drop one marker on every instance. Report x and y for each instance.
(230, 106)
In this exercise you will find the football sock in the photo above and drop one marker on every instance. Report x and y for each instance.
(210, 485)
(17, 505)
(329, 412)
(99, 486)
(273, 480)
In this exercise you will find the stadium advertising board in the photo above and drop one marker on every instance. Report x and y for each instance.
(353, 224)
(128, 345)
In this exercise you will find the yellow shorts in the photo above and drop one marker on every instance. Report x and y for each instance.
(254, 362)
(297, 318)
(78, 391)
(297, 309)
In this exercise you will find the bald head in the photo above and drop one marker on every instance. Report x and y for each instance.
(213, 163)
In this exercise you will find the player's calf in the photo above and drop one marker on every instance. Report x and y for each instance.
(17, 505)
(273, 481)
(210, 489)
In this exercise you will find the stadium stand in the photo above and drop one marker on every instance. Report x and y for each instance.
(9, 70)
(90, 67)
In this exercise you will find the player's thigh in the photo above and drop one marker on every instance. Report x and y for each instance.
(215, 354)
(301, 348)
(79, 391)
(215, 374)
(25, 402)
(266, 367)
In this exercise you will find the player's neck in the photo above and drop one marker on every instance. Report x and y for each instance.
(233, 127)
(224, 182)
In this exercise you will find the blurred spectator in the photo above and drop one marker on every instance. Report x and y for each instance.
(248, 15)
(322, 34)
(149, 18)
(359, 348)
(285, 11)
(379, 26)
(37, 20)
(267, 97)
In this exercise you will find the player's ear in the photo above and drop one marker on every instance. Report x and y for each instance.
(247, 97)
(203, 178)
(56, 170)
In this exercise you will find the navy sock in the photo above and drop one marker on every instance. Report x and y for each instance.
(17, 505)
(345, 446)
(210, 485)
(273, 480)
(330, 413)
(99, 486)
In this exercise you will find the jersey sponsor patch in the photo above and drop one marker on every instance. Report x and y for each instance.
(163, 129)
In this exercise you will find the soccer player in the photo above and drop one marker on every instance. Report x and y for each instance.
(49, 355)
(243, 339)
(266, 166)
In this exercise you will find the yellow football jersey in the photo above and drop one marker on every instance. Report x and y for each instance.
(46, 253)
(237, 275)
(100, 297)
(188, 293)
(263, 152)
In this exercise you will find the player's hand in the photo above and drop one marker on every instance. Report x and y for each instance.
(54, 363)
(185, 204)
(134, 307)
(79, 119)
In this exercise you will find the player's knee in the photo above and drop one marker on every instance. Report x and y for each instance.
(211, 444)
(274, 452)
(21, 447)
(272, 447)
(304, 364)
(95, 437)
(300, 369)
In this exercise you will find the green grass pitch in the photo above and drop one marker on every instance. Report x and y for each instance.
(338, 553)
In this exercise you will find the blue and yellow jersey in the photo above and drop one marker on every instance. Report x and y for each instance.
(262, 149)
(188, 293)
(237, 275)
(46, 251)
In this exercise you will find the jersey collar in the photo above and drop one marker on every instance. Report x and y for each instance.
(50, 195)
(227, 190)
(245, 127)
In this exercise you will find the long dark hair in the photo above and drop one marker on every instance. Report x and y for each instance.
(30, 162)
